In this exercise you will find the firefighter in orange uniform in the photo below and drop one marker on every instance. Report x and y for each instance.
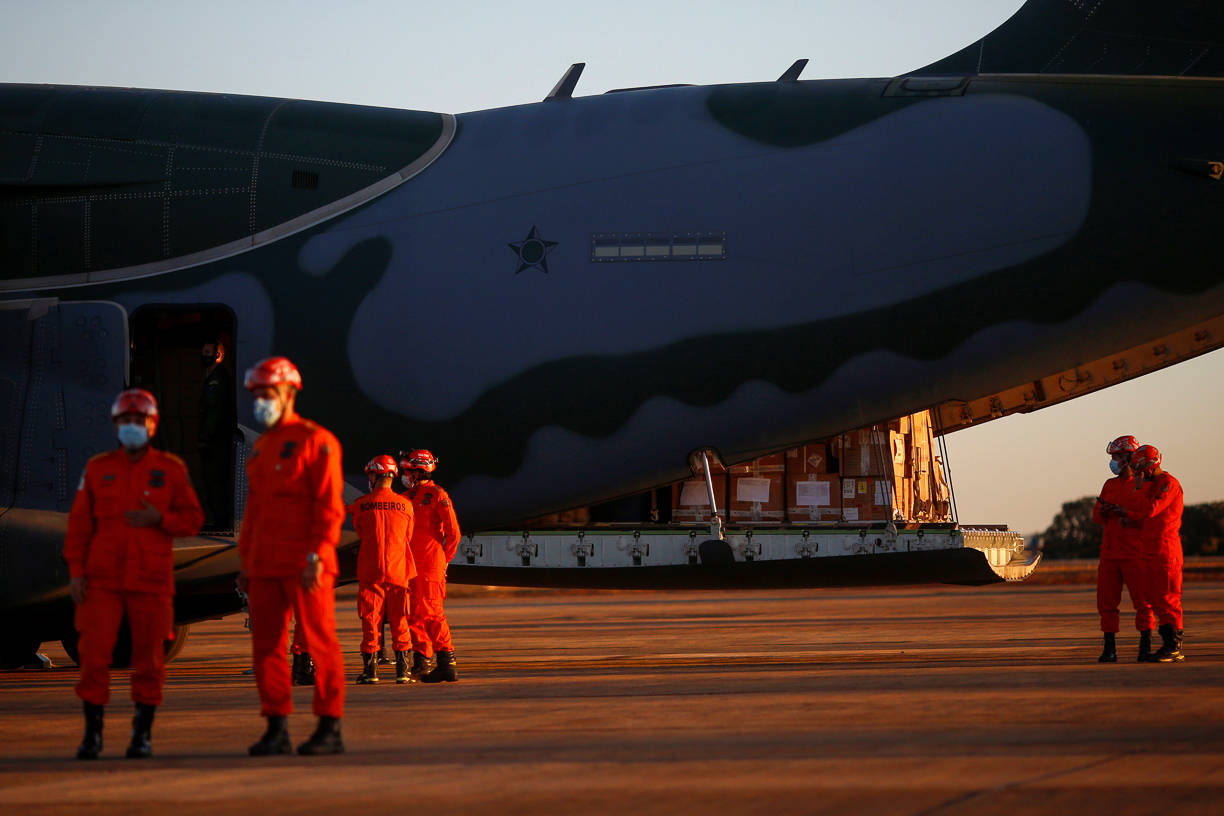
(130, 505)
(435, 538)
(288, 544)
(383, 520)
(1121, 554)
(1157, 504)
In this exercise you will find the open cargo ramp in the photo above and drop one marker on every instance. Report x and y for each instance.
(689, 558)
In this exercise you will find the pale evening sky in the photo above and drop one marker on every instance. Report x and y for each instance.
(469, 56)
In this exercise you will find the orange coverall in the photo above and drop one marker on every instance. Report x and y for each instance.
(294, 508)
(1158, 504)
(435, 539)
(383, 520)
(127, 569)
(1121, 559)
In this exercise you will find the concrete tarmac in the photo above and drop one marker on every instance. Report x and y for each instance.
(929, 700)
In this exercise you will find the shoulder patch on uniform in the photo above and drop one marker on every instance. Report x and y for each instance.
(325, 449)
(445, 502)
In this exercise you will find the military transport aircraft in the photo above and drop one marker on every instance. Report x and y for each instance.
(603, 285)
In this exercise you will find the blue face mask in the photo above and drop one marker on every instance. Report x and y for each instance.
(267, 411)
(1115, 466)
(133, 436)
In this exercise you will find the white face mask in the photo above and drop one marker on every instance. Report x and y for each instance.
(132, 436)
(268, 411)
(407, 481)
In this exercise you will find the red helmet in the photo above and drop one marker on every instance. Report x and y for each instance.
(381, 466)
(272, 371)
(1145, 458)
(134, 401)
(419, 459)
(1123, 444)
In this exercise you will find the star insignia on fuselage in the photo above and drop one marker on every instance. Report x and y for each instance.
(532, 251)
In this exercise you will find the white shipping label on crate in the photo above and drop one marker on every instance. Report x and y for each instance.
(847, 488)
(694, 493)
(812, 494)
(752, 490)
(883, 495)
(850, 513)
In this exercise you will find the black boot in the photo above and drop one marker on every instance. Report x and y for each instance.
(1170, 651)
(403, 668)
(141, 746)
(369, 670)
(1145, 646)
(445, 671)
(303, 670)
(275, 740)
(1110, 653)
(326, 738)
(91, 745)
(421, 666)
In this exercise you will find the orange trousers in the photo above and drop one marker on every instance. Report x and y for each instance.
(430, 631)
(372, 601)
(150, 617)
(272, 601)
(1112, 573)
(1164, 587)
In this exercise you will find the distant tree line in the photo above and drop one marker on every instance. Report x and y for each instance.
(1072, 534)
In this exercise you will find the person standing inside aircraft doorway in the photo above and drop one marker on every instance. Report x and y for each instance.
(383, 520)
(287, 544)
(1121, 554)
(1157, 504)
(215, 440)
(435, 538)
(130, 505)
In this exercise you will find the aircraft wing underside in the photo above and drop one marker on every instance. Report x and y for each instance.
(1132, 37)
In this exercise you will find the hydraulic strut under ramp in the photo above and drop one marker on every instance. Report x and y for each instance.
(688, 558)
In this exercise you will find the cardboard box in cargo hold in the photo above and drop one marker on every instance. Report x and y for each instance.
(866, 453)
(813, 497)
(774, 463)
(867, 499)
(691, 503)
(758, 499)
(820, 457)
